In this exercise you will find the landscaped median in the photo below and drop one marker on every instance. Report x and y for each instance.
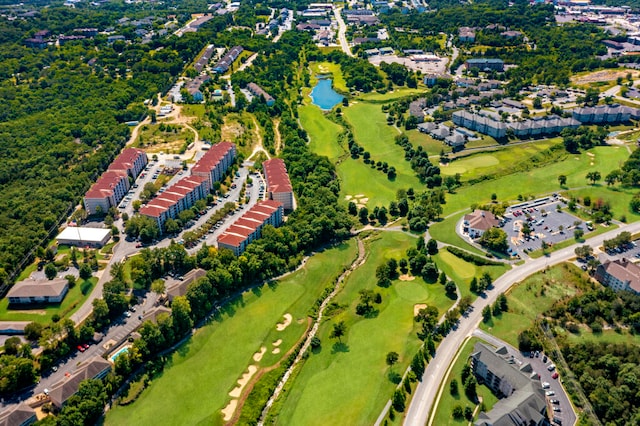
(249, 336)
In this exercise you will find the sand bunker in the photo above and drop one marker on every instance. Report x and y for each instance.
(364, 200)
(417, 307)
(287, 320)
(406, 277)
(348, 197)
(276, 351)
(242, 382)
(258, 355)
(277, 342)
(229, 409)
(358, 195)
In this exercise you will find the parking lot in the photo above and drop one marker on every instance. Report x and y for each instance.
(545, 222)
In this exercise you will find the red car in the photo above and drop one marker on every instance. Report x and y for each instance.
(81, 348)
(555, 375)
(85, 345)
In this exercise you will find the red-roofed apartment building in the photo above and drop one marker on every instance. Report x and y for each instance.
(215, 162)
(180, 196)
(248, 228)
(278, 184)
(113, 185)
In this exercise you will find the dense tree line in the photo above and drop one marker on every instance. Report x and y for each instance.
(426, 171)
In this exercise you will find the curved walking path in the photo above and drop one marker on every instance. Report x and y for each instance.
(359, 261)
(259, 147)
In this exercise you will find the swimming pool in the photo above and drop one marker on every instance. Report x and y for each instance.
(120, 351)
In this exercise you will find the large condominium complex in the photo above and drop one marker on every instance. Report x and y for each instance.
(183, 194)
(278, 184)
(249, 227)
(113, 185)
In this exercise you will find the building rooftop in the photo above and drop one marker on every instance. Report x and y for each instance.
(276, 176)
(180, 289)
(38, 288)
(83, 233)
(106, 183)
(625, 271)
(19, 415)
(481, 219)
(68, 386)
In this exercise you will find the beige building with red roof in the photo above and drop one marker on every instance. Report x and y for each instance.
(278, 184)
(249, 226)
(215, 162)
(112, 186)
(476, 223)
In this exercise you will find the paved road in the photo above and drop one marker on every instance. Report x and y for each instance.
(425, 394)
(342, 32)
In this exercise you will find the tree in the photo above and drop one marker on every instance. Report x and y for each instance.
(468, 411)
(158, 286)
(353, 209)
(33, 331)
(85, 271)
(485, 281)
(494, 239)
(181, 316)
(486, 314)
(578, 233)
(363, 214)
(457, 412)
(470, 388)
(473, 285)
(453, 387)
(562, 180)
(502, 302)
(450, 288)
(594, 176)
(634, 204)
(339, 330)
(50, 271)
(398, 400)
(392, 358)
(432, 247)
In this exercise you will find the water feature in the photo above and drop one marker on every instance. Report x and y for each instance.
(324, 96)
(121, 351)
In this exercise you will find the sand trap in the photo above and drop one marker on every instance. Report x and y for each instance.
(258, 355)
(229, 409)
(287, 320)
(591, 163)
(276, 351)
(277, 342)
(406, 277)
(242, 382)
(364, 200)
(417, 307)
(591, 154)
(348, 197)
(359, 195)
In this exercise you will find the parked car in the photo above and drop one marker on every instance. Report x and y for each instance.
(545, 385)
(554, 401)
(555, 375)
(557, 409)
(81, 348)
(550, 393)
(551, 367)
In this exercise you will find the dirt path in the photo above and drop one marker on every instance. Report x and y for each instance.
(359, 261)
(258, 147)
(276, 130)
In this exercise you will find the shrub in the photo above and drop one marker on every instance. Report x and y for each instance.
(472, 258)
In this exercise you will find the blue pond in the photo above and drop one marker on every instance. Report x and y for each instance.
(324, 96)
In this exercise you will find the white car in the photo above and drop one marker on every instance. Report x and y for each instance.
(545, 385)
(551, 367)
(550, 393)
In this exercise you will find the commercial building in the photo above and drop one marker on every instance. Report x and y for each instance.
(229, 58)
(478, 222)
(485, 64)
(83, 236)
(278, 184)
(180, 288)
(183, 194)
(523, 401)
(249, 227)
(259, 91)
(113, 185)
(38, 291)
(619, 275)
(95, 368)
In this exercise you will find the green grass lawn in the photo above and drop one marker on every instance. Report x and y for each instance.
(349, 384)
(462, 272)
(432, 146)
(607, 336)
(193, 110)
(497, 161)
(447, 401)
(43, 313)
(335, 70)
(202, 372)
(323, 133)
(616, 196)
(540, 180)
(375, 136)
(530, 298)
(389, 96)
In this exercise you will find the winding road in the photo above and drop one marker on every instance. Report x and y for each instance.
(342, 32)
(421, 409)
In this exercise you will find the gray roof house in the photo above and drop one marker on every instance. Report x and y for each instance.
(95, 368)
(38, 291)
(180, 289)
(523, 400)
(20, 415)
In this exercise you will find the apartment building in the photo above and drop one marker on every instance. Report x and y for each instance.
(620, 275)
(278, 184)
(249, 227)
(258, 91)
(215, 162)
(606, 114)
(113, 185)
